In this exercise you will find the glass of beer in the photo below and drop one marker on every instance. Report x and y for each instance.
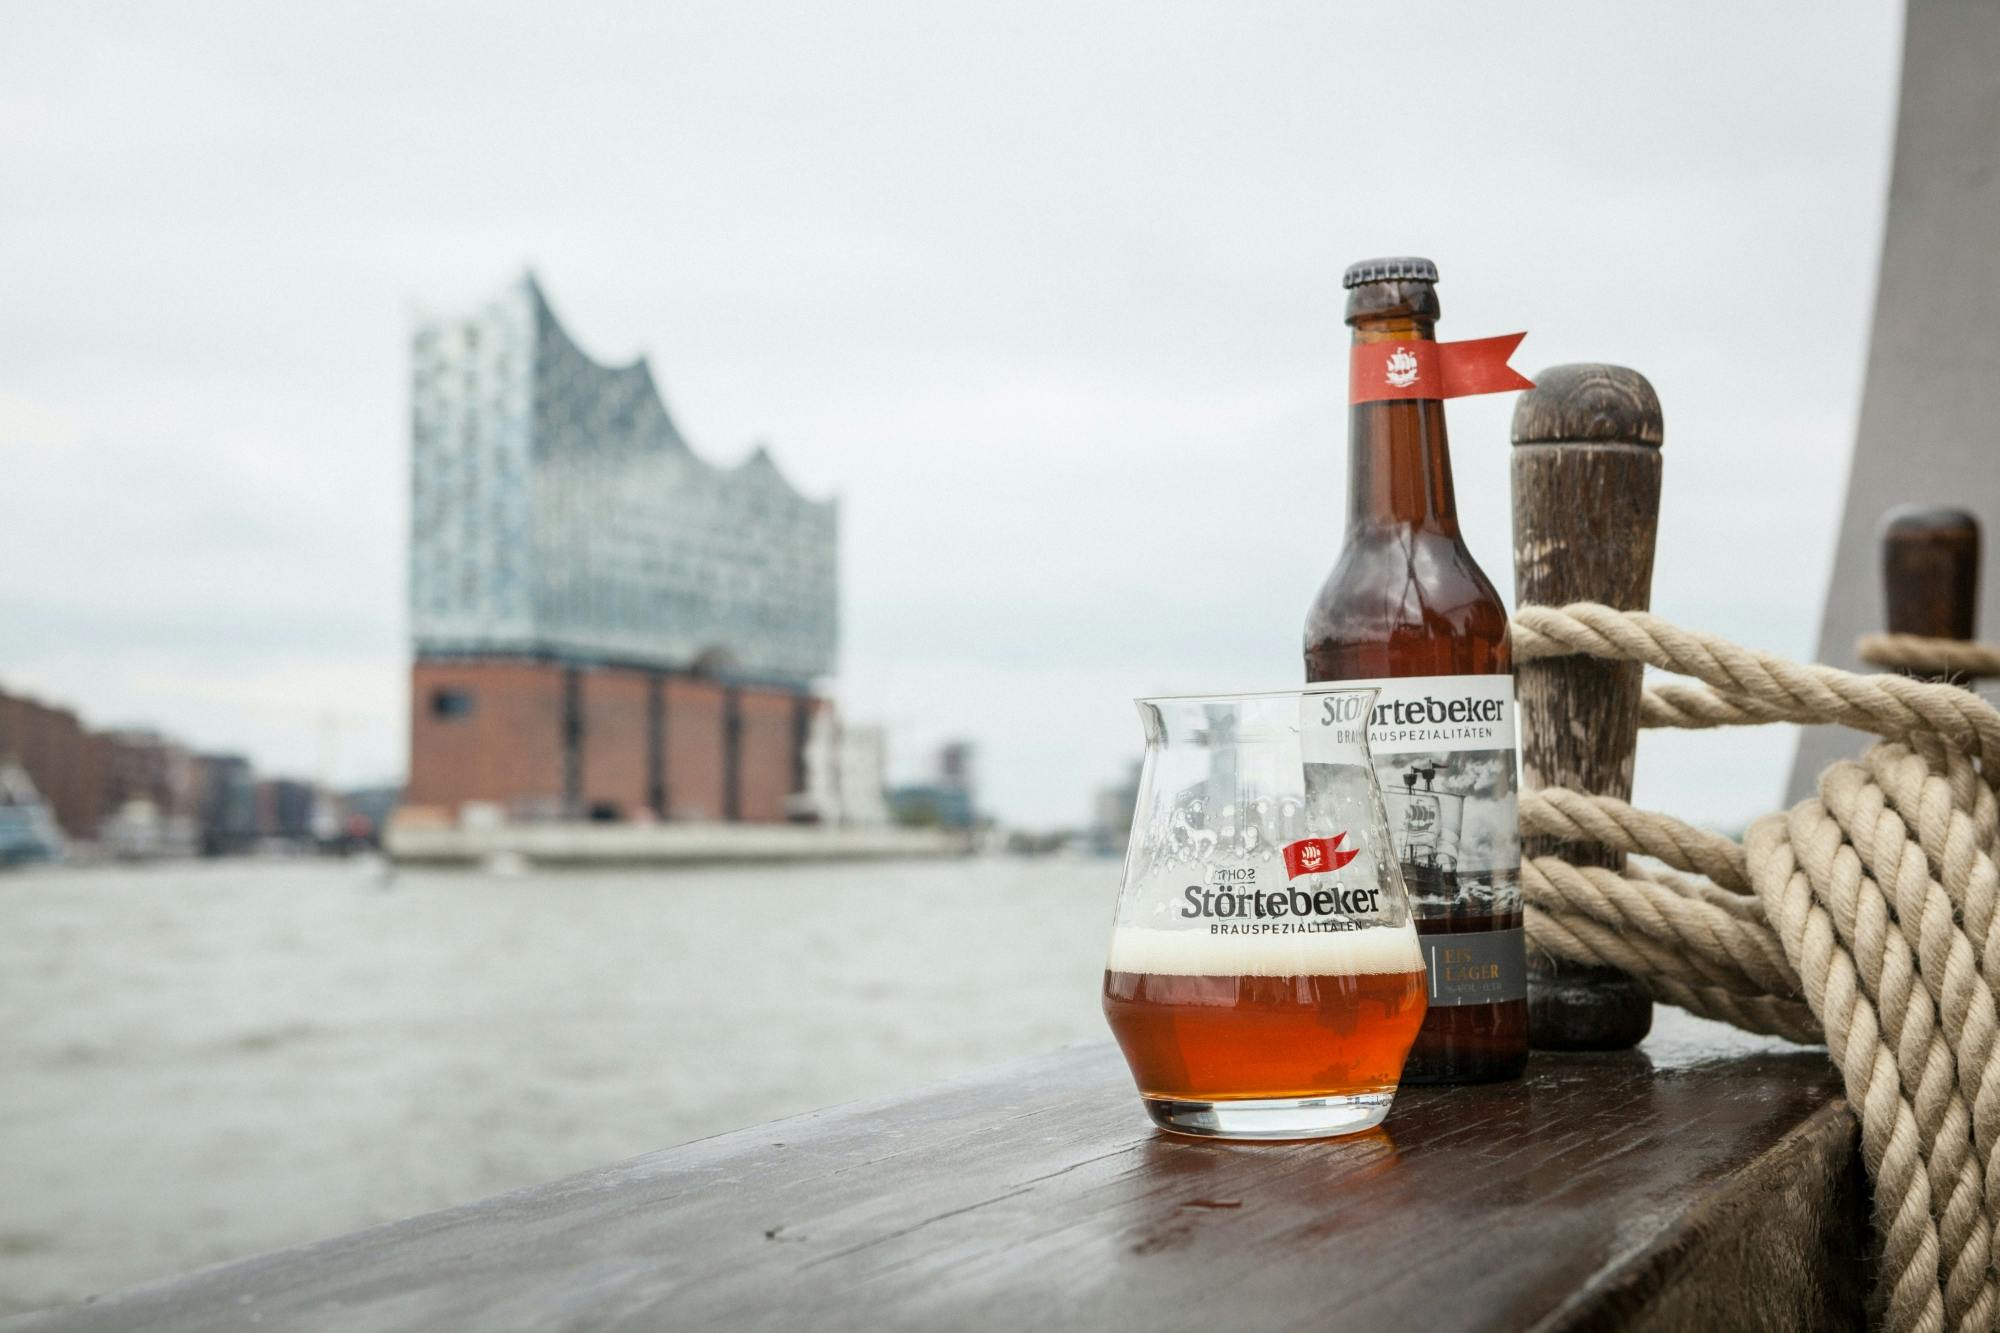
(1265, 980)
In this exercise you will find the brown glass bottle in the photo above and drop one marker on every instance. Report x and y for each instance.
(1406, 599)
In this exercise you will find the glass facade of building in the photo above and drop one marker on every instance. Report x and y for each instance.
(556, 512)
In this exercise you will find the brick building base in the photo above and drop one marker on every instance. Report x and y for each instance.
(549, 740)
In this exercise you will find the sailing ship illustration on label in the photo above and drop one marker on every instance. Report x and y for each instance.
(1426, 824)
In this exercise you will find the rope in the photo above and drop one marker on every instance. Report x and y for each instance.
(1866, 917)
(1930, 657)
(1745, 686)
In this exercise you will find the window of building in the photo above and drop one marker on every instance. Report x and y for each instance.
(451, 703)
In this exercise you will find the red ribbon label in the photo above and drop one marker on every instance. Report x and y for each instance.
(1419, 368)
(1316, 856)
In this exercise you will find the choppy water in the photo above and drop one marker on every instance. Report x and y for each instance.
(206, 1061)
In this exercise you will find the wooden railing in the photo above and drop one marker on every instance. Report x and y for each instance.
(1707, 1180)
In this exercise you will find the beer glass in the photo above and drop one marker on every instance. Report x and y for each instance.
(1265, 980)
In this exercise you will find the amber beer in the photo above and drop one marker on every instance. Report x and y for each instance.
(1237, 1020)
(1408, 608)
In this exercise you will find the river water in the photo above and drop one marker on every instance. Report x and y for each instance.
(203, 1061)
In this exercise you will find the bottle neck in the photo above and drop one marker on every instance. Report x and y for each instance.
(1399, 458)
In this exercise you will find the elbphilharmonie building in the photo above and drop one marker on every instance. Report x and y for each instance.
(603, 623)
(557, 510)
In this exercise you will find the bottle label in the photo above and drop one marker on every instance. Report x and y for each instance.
(1420, 368)
(1483, 968)
(1444, 755)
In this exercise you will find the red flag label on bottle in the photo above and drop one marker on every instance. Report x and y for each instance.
(1420, 368)
(1316, 856)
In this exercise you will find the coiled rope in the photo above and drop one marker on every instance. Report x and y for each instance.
(1866, 917)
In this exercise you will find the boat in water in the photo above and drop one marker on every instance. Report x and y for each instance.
(28, 832)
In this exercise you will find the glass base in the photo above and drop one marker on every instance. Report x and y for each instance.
(1273, 1118)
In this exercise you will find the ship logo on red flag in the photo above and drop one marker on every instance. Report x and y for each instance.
(1316, 856)
(1420, 368)
(1402, 369)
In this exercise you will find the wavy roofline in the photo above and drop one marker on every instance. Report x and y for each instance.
(759, 457)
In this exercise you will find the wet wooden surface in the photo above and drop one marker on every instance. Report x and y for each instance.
(1705, 1180)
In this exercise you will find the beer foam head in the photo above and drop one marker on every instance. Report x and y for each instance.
(1196, 953)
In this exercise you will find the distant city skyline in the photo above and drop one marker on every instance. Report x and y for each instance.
(1049, 295)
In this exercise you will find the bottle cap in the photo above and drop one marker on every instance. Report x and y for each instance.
(1405, 268)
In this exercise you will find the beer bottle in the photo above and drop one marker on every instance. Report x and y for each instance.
(1408, 609)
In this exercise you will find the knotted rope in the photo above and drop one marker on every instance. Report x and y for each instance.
(1867, 917)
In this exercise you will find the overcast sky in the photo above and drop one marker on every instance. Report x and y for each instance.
(1048, 294)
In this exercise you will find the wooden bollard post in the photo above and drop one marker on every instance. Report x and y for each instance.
(1930, 572)
(1586, 509)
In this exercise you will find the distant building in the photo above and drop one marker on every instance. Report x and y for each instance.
(368, 811)
(861, 772)
(931, 805)
(945, 802)
(955, 764)
(603, 624)
(285, 809)
(135, 792)
(228, 804)
(150, 794)
(59, 757)
(145, 766)
(845, 774)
